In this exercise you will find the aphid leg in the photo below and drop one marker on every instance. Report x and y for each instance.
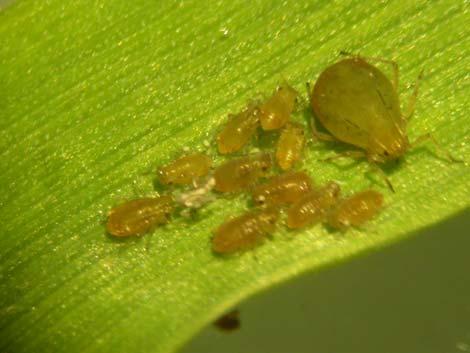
(396, 71)
(376, 169)
(350, 154)
(320, 136)
(428, 137)
(414, 96)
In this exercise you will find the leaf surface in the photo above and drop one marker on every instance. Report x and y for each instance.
(94, 94)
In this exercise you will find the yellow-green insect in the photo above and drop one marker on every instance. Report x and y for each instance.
(275, 112)
(359, 105)
(290, 145)
(185, 170)
(238, 131)
(282, 189)
(241, 173)
(355, 210)
(139, 216)
(313, 207)
(245, 231)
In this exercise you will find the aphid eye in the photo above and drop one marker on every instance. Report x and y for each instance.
(385, 153)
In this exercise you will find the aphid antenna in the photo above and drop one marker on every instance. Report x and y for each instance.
(374, 168)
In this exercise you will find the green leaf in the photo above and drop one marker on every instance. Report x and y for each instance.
(94, 94)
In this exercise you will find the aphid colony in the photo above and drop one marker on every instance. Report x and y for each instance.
(356, 104)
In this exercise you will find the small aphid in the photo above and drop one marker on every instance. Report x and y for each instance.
(355, 210)
(139, 216)
(282, 189)
(313, 207)
(228, 322)
(238, 130)
(241, 173)
(185, 170)
(359, 105)
(290, 145)
(245, 231)
(275, 112)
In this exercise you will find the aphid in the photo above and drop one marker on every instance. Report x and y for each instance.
(355, 210)
(241, 173)
(139, 216)
(282, 189)
(185, 170)
(228, 322)
(359, 105)
(313, 207)
(245, 231)
(275, 112)
(238, 130)
(290, 145)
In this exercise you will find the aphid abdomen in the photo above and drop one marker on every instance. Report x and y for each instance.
(312, 208)
(276, 111)
(358, 105)
(282, 189)
(355, 210)
(244, 232)
(238, 174)
(238, 131)
(290, 145)
(239, 234)
(185, 170)
(139, 216)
